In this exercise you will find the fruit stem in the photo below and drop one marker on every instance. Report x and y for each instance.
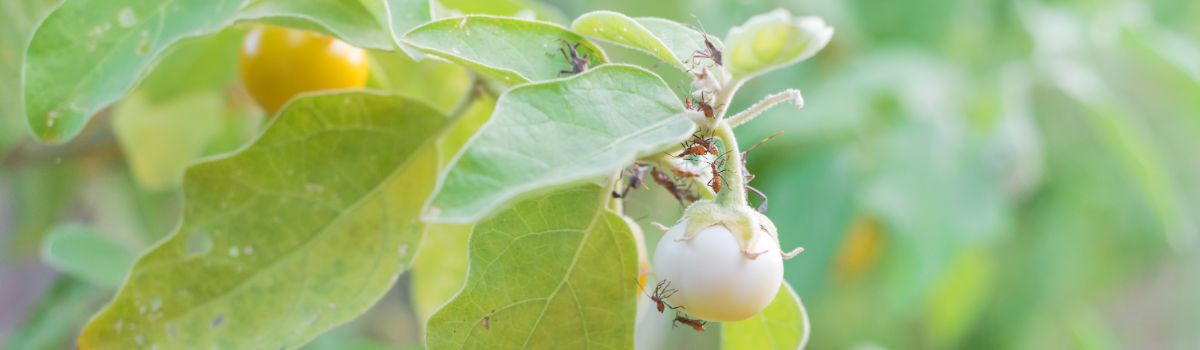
(735, 193)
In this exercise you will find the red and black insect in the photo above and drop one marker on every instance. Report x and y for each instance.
(698, 146)
(696, 324)
(717, 166)
(637, 174)
(579, 63)
(710, 50)
(663, 291)
(699, 105)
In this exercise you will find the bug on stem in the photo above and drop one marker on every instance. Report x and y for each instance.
(717, 166)
(700, 105)
(762, 207)
(698, 146)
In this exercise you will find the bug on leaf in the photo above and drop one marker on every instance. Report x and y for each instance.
(487, 321)
(579, 63)
(710, 50)
(698, 325)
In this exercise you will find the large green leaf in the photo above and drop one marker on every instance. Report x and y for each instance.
(556, 133)
(299, 232)
(782, 325)
(87, 54)
(350, 21)
(773, 40)
(555, 272)
(666, 40)
(510, 50)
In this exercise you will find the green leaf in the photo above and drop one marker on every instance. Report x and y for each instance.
(557, 133)
(553, 272)
(19, 20)
(666, 40)
(472, 118)
(46, 193)
(440, 268)
(510, 50)
(349, 21)
(956, 301)
(161, 140)
(402, 16)
(440, 84)
(87, 254)
(773, 40)
(204, 64)
(524, 9)
(87, 54)
(299, 232)
(782, 325)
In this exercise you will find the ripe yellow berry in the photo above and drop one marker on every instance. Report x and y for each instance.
(279, 63)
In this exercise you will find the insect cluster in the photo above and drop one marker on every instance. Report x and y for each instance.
(701, 168)
(663, 291)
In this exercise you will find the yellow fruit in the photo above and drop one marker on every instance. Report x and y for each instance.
(280, 63)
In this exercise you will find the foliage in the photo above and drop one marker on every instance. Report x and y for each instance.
(965, 173)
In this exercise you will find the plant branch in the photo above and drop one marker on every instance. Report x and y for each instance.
(735, 193)
(725, 97)
(766, 103)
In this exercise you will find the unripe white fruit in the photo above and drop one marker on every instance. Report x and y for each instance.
(714, 279)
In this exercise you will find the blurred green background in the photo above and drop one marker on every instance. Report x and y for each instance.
(966, 174)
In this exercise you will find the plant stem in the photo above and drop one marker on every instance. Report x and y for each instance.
(735, 193)
(768, 102)
(725, 97)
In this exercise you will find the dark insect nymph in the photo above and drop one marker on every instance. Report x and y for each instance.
(710, 50)
(579, 63)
